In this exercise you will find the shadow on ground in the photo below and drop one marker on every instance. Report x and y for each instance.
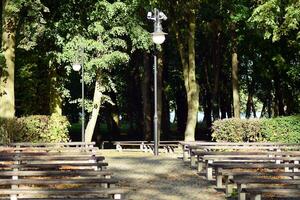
(159, 178)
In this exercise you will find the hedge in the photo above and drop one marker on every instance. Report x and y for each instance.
(34, 128)
(280, 129)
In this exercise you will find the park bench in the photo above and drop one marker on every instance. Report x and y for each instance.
(256, 193)
(219, 167)
(46, 144)
(195, 152)
(257, 183)
(42, 175)
(229, 177)
(189, 147)
(146, 146)
(203, 158)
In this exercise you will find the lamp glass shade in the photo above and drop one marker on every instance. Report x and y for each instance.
(158, 38)
(76, 67)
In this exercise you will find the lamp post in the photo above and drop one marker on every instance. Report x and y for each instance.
(76, 67)
(158, 37)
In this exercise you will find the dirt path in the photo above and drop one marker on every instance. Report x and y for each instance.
(162, 178)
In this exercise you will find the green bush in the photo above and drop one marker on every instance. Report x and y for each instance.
(35, 128)
(10, 129)
(236, 130)
(280, 129)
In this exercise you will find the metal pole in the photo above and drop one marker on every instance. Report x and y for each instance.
(82, 106)
(155, 107)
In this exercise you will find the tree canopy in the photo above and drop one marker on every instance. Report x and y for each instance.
(222, 59)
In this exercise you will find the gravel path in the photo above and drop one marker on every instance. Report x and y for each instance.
(159, 178)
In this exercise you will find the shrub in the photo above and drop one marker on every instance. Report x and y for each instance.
(34, 128)
(236, 130)
(280, 129)
(10, 129)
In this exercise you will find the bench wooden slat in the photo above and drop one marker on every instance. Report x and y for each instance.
(252, 165)
(249, 180)
(55, 173)
(47, 191)
(49, 181)
(50, 158)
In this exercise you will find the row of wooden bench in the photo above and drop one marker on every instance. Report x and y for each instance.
(146, 146)
(271, 166)
(55, 171)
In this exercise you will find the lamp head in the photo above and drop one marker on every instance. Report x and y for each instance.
(76, 67)
(158, 37)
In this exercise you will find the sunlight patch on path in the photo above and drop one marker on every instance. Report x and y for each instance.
(159, 178)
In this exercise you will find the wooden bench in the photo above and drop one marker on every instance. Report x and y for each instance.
(230, 176)
(55, 144)
(256, 193)
(188, 147)
(201, 158)
(243, 183)
(218, 167)
(39, 174)
(145, 146)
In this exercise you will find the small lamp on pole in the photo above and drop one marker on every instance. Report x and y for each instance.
(158, 37)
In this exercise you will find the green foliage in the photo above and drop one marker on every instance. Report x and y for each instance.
(237, 130)
(10, 129)
(280, 129)
(34, 128)
(42, 128)
(277, 18)
(283, 129)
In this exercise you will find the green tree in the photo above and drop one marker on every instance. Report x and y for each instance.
(21, 23)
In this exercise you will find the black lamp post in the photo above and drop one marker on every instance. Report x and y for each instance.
(76, 67)
(158, 37)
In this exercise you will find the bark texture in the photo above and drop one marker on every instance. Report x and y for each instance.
(55, 103)
(235, 86)
(189, 73)
(7, 93)
(96, 107)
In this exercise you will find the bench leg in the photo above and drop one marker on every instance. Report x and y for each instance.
(255, 197)
(200, 165)
(241, 194)
(118, 147)
(219, 181)
(117, 196)
(185, 155)
(209, 171)
(229, 186)
(193, 161)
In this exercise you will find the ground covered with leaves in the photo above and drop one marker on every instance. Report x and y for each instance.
(159, 178)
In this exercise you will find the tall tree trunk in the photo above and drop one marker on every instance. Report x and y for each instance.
(192, 88)
(250, 104)
(189, 73)
(96, 107)
(181, 110)
(216, 96)
(7, 93)
(146, 98)
(278, 95)
(234, 71)
(207, 98)
(235, 85)
(55, 103)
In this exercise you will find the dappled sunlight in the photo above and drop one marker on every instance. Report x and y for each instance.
(159, 178)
